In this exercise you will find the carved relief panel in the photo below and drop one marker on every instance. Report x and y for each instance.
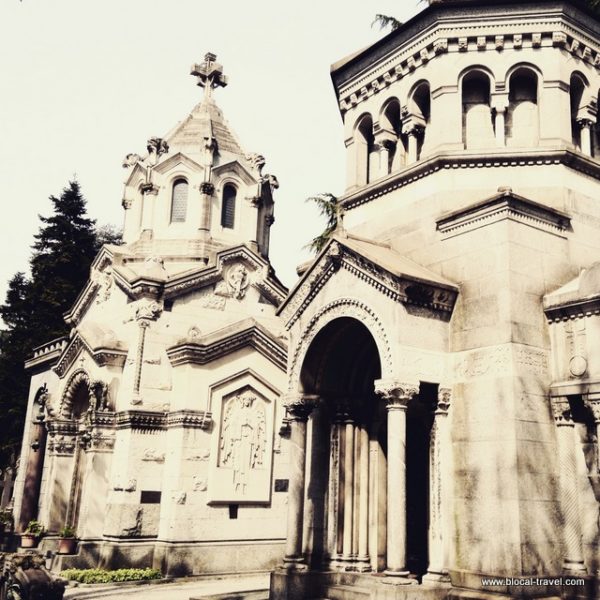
(241, 465)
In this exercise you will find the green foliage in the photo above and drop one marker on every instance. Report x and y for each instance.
(6, 517)
(63, 251)
(67, 532)
(35, 528)
(328, 207)
(102, 576)
(385, 21)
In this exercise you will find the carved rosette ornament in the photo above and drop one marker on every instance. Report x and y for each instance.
(299, 406)
(395, 394)
(561, 411)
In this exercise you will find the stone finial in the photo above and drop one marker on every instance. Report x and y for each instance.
(209, 74)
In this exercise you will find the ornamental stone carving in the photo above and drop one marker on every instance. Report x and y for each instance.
(299, 406)
(343, 307)
(561, 410)
(396, 394)
(148, 310)
(243, 438)
(235, 282)
(443, 400)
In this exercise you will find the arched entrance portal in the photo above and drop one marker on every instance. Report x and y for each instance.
(367, 489)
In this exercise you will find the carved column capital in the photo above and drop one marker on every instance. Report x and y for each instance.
(444, 400)
(594, 405)
(299, 406)
(584, 122)
(396, 394)
(561, 411)
(149, 189)
(206, 187)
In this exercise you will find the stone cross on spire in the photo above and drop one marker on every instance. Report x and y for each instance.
(209, 74)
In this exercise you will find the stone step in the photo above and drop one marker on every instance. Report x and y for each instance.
(261, 594)
(347, 592)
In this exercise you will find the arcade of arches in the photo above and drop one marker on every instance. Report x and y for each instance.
(367, 478)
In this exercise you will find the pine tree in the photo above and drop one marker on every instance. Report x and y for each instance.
(63, 251)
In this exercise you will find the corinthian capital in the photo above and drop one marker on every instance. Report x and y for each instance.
(444, 399)
(395, 393)
(561, 410)
(299, 406)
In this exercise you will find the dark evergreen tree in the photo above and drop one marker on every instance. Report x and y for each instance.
(63, 251)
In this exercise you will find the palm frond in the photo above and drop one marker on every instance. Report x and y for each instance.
(328, 208)
(385, 21)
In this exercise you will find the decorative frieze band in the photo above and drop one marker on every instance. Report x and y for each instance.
(189, 419)
(141, 420)
(360, 90)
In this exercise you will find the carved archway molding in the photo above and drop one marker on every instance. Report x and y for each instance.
(66, 402)
(342, 307)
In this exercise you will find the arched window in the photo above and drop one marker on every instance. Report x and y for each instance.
(478, 129)
(366, 163)
(522, 125)
(391, 123)
(420, 113)
(228, 207)
(179, 201)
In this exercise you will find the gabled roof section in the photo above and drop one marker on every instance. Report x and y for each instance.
(175, 160)
(204, 349)
(262, 276)
(388, 271)
(238, 168)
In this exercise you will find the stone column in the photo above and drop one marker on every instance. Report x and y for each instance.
(572, 534)
(413, 143)
(348, 489)
(585, 127)
(207, 190)
(334, 493)
(439, 497)
(35, 465)
(500, 105)
(396, 396)
(363, 507)
(299, 408)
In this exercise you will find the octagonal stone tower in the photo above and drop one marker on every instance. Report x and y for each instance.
(460, 431)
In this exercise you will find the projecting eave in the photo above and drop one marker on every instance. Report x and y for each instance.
(450, 14)
(389, 272)
(577, 298)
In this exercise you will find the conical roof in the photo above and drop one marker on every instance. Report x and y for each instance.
(206, 121)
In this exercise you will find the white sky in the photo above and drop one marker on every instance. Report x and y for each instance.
(84, 82)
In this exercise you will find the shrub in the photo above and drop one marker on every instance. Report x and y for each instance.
(35, 528)
(103, 576)
(67, 532)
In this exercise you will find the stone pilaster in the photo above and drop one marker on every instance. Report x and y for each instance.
(439, 489)
(572, 534)
(396, 396)
(299, 408)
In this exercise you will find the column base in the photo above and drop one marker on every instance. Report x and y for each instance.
(437, 577)
(398, 577)
(294, 563)
(363, 564)
(574, 568)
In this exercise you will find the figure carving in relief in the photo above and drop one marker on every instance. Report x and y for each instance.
(243, 438)
(236, 283)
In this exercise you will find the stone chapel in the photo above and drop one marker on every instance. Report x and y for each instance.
(443, 379)
(154, 429)
(420, 412)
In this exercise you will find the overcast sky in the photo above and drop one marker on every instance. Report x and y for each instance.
(82, 83)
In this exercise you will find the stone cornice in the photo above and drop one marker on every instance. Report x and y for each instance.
(450, 28)
(469, 160)
(189, 419)
(400, 288)
(141, 420)
(211, 347)
(573, 309)
(47, 354)
(504, 205)
(102, 356)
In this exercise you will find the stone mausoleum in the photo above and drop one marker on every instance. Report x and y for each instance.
(154, 429)
(443, 379)
(423, 405)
